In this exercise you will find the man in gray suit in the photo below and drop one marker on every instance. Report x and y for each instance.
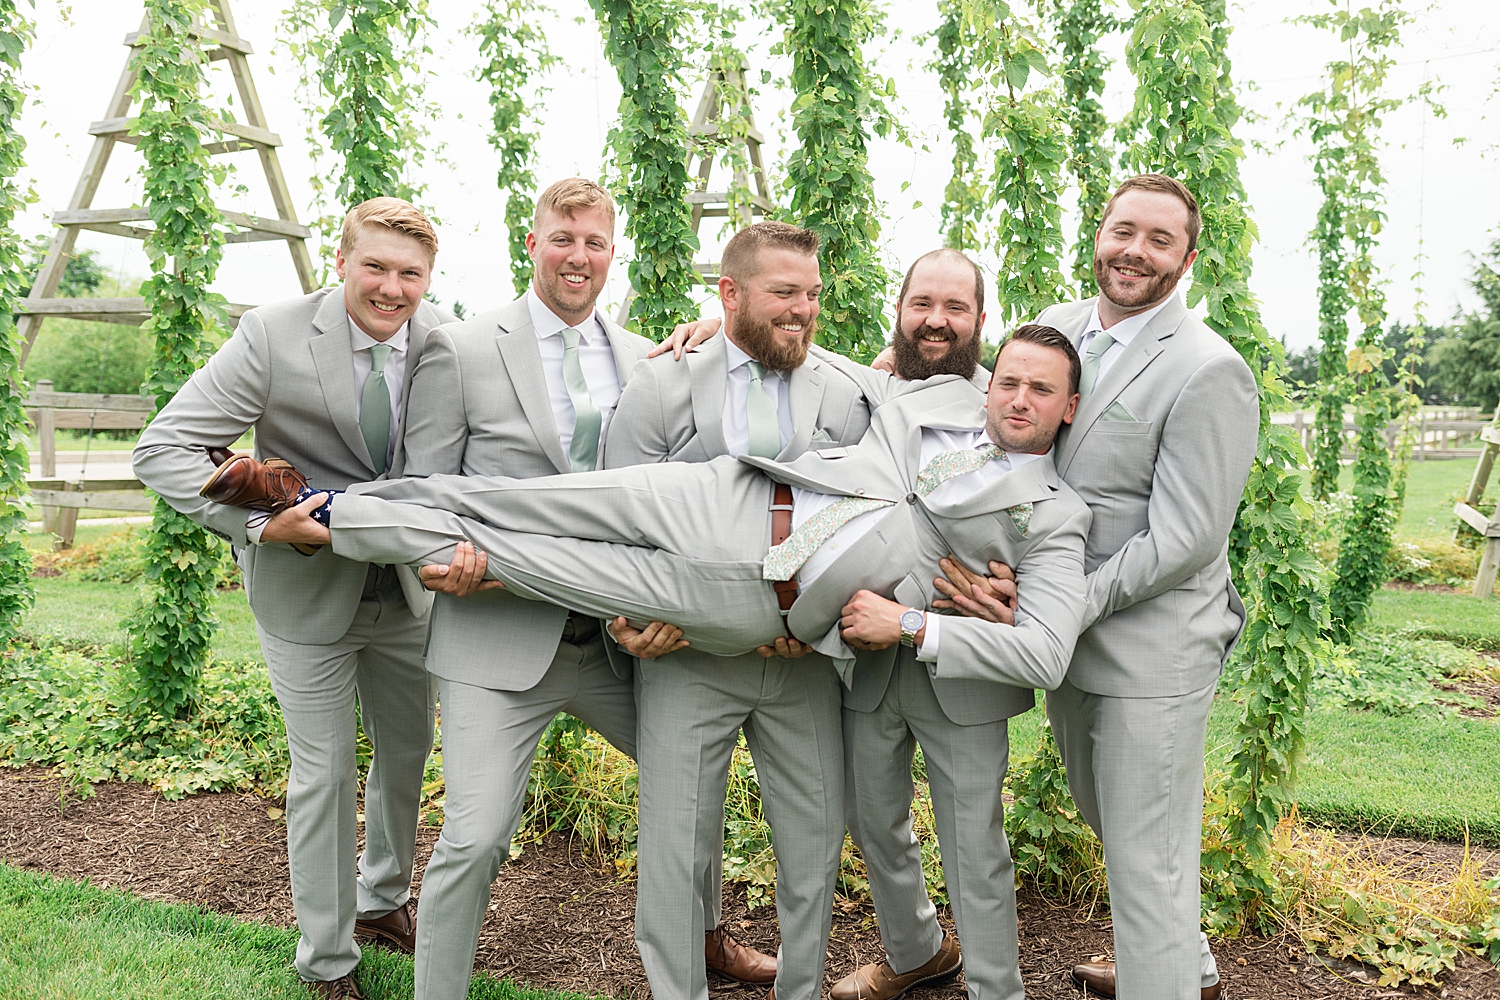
(323, 380)
(1160, 450)
(753, 391)
(528, 391)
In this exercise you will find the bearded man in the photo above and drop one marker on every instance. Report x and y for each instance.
(939, 320)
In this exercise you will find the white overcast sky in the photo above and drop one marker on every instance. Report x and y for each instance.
(1445, 184)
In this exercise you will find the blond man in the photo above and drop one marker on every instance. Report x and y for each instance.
(324, 380)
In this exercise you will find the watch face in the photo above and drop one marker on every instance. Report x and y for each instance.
(911, 621)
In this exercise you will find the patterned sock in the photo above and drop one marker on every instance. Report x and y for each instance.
(324, 513)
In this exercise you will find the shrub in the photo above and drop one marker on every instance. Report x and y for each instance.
(119, 557)
(1395, 674)
(90, 357)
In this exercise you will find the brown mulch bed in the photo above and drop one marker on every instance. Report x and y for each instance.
(1489, 693)
(562, 919)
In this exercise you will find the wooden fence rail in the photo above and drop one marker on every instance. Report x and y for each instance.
(1442, 431)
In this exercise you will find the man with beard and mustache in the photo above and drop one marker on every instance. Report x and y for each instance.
(939, 320)
(753, 391)
(1160, 450)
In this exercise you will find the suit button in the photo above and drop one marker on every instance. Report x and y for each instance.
(859, 493)
(911, 498)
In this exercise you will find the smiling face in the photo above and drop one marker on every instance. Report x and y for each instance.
(938, 321)
(1029, 397)
(572, 254)
(772, 314)
(1140, 252)
(385, 276)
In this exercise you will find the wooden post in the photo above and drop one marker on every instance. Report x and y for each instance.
(46, 432)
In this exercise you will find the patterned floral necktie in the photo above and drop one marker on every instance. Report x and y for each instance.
(784, 560)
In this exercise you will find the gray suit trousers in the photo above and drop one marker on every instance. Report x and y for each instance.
(489, 740)
(379, 661)
(965, 767)
(691, 710)
(1135, 768)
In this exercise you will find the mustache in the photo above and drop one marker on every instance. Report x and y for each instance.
(1134, 263)
(924, 330)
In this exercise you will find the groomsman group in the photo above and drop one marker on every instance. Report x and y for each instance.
(1071, 525)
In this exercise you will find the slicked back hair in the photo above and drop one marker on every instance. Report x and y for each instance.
(388, 213)
(742, 253)
(1162, 184)
(947, 253)
(571, 194)
(1046, 336)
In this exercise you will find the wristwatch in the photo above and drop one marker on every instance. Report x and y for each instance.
(912, 621)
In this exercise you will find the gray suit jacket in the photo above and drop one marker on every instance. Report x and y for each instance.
(984, 672)
(288, 371)
(479, 407)
(1160, 452)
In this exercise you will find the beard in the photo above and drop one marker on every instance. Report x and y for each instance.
(961, 358)
(758, 338)
(1162, 283)
(1034, 439)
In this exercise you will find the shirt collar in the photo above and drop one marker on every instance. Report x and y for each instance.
(547, 323)
(362, 341)
(1124, 331)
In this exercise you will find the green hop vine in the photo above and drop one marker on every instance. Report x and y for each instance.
(837, 105)
(170, 631)
(959, 65)
(516, 53)
(1344, 120)
(650, 142)
(16, 591)
(1181, 124)
(1078, 26)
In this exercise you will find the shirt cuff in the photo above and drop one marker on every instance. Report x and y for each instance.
(255, 524)
(928, 651)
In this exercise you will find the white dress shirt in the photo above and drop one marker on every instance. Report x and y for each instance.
(935, 441)
(395, 384)
(736, 420)
(1123, 332)
(595, 356)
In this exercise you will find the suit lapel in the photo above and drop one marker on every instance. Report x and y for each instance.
(333, 356)
(964, 415)
(625, 347)
(523, 362)
(806, 389)
(1134, 360)
(1032, 482)
(416, 336)
(708, 370)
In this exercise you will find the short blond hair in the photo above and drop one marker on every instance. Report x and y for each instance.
(571, 194)
(388, 213)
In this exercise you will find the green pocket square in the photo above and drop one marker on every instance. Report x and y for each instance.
(1020, 516)
(1119, 411)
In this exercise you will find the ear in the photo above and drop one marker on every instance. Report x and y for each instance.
(338, 262)
(531, 246)
(729, 293)
(1072, 409)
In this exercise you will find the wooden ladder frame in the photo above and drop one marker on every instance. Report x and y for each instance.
(115, 128)
(715, 204)
(1468, 512)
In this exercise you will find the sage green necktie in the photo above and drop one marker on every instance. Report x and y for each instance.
(375, 408)
(583, 451)
(1090, 374)
(760, 415)
(784, 560)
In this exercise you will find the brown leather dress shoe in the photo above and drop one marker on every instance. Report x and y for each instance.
(726, 956)
(397, 929)
(1098, 978)
(342, 988)
(878, 981)
(242, 481)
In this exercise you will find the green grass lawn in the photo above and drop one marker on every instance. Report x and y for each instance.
(63, 940)
(1461, 618)
(1430, 495)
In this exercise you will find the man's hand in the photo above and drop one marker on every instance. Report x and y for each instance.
(871, 622)
(885, 361)
(463, 576)
(787, 649)
(656, 639)
(686, 336)
(295, 524)
(992, 598)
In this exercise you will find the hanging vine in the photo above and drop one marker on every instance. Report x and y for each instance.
(16, 591)
(838, 103)
(1079, 25)
(369, 106)
(516, 53)
(1344, 120)
(641, 39)
(959, 64)
(170, 631)
(1181, 124)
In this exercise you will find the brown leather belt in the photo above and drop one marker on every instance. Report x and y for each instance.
(781, 529)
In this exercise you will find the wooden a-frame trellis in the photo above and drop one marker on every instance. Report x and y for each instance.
(1467, 509)
(252, 133)
(705, 145)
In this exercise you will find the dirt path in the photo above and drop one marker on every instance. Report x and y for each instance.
(561, 919)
